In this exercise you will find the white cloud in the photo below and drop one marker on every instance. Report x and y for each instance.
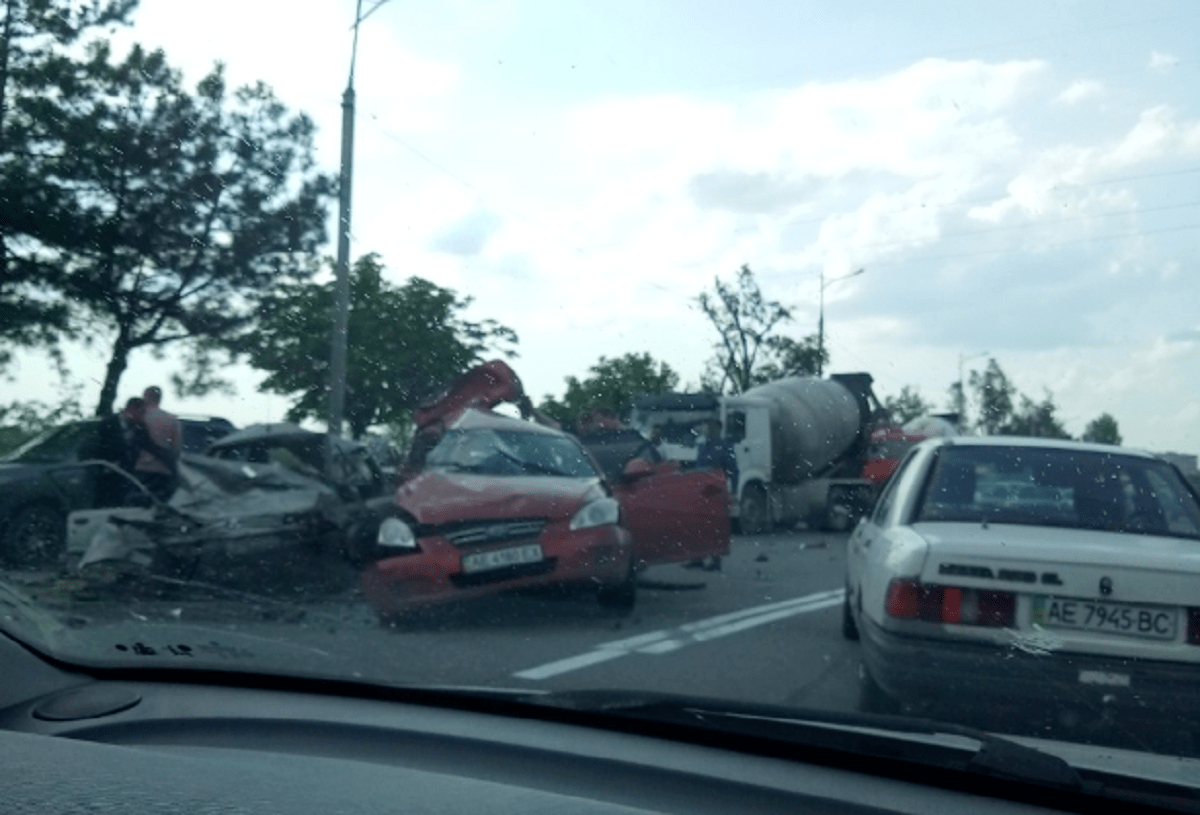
(1080, 90)
(1163, 62)
(1055, 180)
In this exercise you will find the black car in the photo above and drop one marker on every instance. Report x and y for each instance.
(57, 473)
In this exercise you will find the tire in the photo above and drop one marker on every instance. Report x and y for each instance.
(755, 514)
(872, 698)
(849, 627)
(621, 598)
(838, 518)
(36, 538)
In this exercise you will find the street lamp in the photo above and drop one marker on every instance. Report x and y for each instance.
(821, 318)
(341, 297)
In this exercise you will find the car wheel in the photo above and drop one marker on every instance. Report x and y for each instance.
(621, 598)
(755, 514)
(849, 627)
(36, 538)
(872, 698)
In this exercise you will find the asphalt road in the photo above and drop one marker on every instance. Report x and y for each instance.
(765, 627)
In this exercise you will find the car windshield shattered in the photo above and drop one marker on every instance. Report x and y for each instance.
(823, 362)
(499, 453)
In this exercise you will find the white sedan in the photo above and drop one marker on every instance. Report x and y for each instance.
(1013, 574)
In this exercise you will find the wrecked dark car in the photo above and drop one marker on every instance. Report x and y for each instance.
(260, 496)
(61, 471)
(491, 503)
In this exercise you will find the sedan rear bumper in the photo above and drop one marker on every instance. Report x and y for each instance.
(926, 673)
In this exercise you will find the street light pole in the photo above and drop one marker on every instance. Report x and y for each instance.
(341, 296)
(821, 318)
(341, 305)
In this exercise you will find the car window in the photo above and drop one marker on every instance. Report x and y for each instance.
(1085, 490)
(887, 497)
(61, 445)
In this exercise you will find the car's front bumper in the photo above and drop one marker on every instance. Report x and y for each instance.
(599, 556)
(939, 675)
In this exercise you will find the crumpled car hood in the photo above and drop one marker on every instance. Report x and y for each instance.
(436, 498)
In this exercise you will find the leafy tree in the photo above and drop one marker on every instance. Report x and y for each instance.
(750, 351)
(611, 387)
(907, 406)
(35, 38)
(994, 394)
(166, 213)
(404, 342)
(1035, 419)
(1102, 430)
(792, 357)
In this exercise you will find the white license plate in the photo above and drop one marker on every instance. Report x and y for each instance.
(1128, 619)
(499, 558)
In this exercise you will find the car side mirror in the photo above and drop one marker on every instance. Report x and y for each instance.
(637, 468)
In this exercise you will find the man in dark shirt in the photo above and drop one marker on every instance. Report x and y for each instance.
(115, 443)
(717, 451)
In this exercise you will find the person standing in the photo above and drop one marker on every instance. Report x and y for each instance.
(115, 443)
(718, 451)
(157, 464)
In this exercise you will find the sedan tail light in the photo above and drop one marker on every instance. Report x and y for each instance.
(932, 603)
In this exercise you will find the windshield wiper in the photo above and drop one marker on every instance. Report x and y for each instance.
(858, 732)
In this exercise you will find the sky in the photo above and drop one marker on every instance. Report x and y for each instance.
(1017, 180)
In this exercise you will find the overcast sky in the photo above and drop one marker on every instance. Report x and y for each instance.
(1021, 179)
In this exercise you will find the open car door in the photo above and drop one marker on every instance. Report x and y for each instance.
(674, 515)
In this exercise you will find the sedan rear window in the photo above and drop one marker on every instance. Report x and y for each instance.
(1059, 487)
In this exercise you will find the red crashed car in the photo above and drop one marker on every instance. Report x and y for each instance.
(499, 504)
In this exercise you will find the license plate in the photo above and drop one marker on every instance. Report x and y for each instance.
(1128, 619)
(499, 558)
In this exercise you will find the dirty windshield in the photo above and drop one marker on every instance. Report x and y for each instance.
(553, 345)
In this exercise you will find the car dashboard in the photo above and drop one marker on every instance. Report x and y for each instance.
(74, 742)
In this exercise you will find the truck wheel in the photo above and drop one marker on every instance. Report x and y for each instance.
(36, 538)
(754, 512)
(837, 518)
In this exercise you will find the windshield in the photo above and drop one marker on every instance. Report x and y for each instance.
(605, 304)
(506, 453)
(1083, 490)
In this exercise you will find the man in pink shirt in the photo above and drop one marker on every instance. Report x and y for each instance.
(157, 462)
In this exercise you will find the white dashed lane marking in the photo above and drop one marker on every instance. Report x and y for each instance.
(672, 639)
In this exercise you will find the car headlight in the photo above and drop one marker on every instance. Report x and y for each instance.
(598, 513)
(395, 534)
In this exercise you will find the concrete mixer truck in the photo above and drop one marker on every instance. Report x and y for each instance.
(800, 442)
